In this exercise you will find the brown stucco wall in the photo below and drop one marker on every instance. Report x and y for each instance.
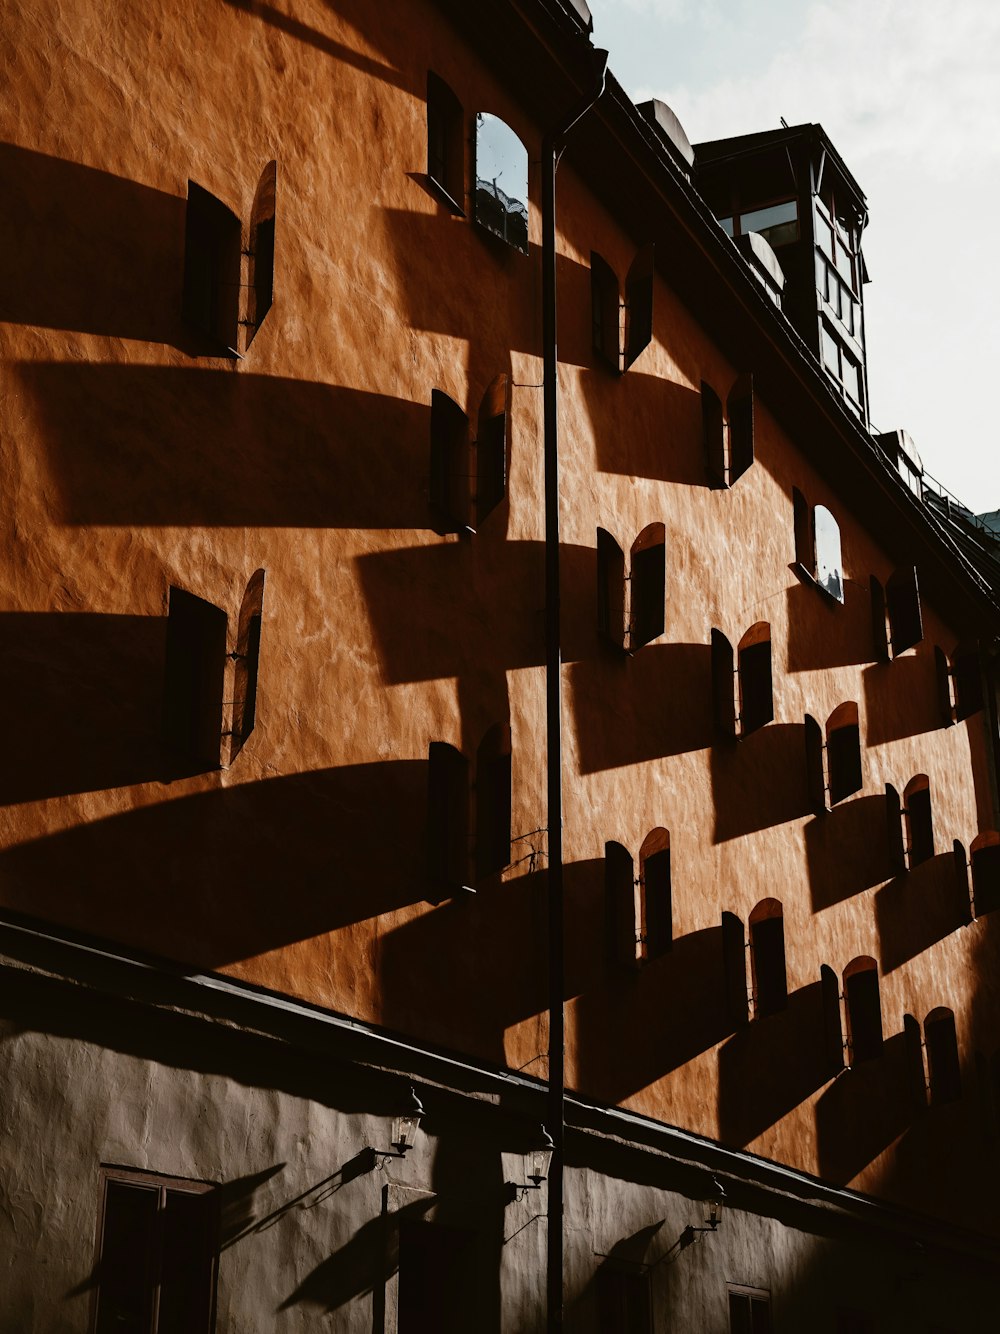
(131, 465)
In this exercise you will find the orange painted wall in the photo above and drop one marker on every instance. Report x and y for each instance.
(131, 465)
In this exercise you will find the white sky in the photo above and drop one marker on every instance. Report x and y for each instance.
(909, 92)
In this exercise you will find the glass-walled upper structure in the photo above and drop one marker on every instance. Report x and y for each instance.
(791, 187)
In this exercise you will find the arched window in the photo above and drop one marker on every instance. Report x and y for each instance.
(767, 958)
(985, 855)
(943, 1071)
(647, 586)
(454, 506)
(843, 752)
(829, 560)
(655, 904)
(754, 669)
(445, 142)
(727, 465)
(247, 658)
(493, 801)
(863, 1010)
(501, 201)
(960, 686)
(919, 826)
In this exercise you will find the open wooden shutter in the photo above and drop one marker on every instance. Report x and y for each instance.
(212, 254)
(906, 626)
(713, 435)
(654, 860)
(815, 769)
(491, 448)
(913, 1054)
(447, 818)
(833, 1033)
(193, 684)
(739, 408)
(734, 965)
(619, 880)
(647, 586)
(449, 473)
(985, 854)
(968, 682)
(864, 1007)
(723, 682)
(605, 307)
(639, 304)
(805, 541)
(894, 829)
(262, 249)
(880, 642)
(247, 663)
(943, 674)
(610, 589)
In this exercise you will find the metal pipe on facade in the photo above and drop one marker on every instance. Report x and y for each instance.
(552, 147)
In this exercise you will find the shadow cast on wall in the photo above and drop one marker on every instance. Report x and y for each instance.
(81, 698)
(157, 445)
(847, 851)
(654, 704)
(822, 633)
(772, 1065)
(229, 874)
(686, 989)
(916, 910)
(760, 781)
(901, 699)
(664, 438)
(95, 253)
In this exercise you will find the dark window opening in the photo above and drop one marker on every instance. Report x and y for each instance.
(655, 896)
(194, 673)
(491, 447)
(450, 466)
(767, 958)
(618, 352)
(749, 1311)
(734, 964)
(610, 589)
(623, 1301)
(247, 658)
(833, 1034)
(815, 768)
(864, 1010)
(647, 586)
(754, 669)
(896, 844)
(262, 250)
(212, 256)
(913, 1053)
(437, 1279)
(919, 825)
(447, 818)
(985, 853)
(605, 311)
(638, 305)
(156, 1262)
(902, 596)
(943, 1069)
(880, 635)
(445, 142)
(853, 1321)
(493, 801)
(501, 201)
(729, 444)
(723, 675)
(843, 752)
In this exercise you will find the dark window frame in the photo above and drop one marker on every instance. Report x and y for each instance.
(863, 1010)
(446, 143)
(768, 964)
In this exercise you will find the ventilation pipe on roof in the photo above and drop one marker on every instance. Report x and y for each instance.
(552, 147)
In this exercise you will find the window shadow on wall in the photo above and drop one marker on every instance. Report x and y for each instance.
(901, 699)
(620, 1049)
(771, 1066)
(462, 974)
(95, 253)
(347, 55)
(822, 633)
(663, 437)
(80, 702)
(847, 851)
(229, 874)
(916, 910)
(158, 445)
(862, 1112)
(760, 781)
(656, 703)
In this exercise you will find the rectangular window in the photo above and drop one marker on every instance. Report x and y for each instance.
(749, 1310)
(157, 1255)
(831, 351)
(437, 1279)
(623, 1302)
(778, 223)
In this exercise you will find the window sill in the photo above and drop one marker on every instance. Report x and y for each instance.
(440, 192)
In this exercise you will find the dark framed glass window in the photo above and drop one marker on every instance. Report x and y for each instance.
(624, 1303)
(157, 1248)
(501, 200)
(754, 670)
(864, 1010)
(749, 1310)
(843, 752)
(919, 822)
(767, 958)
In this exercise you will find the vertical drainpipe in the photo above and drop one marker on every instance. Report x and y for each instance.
(552, 147)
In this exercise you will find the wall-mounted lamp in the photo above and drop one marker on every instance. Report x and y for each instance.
(537, 1163)
(714, 1202)
(405, 1127)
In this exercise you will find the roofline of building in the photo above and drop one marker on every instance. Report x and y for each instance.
(98, 969)
(735, 146)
